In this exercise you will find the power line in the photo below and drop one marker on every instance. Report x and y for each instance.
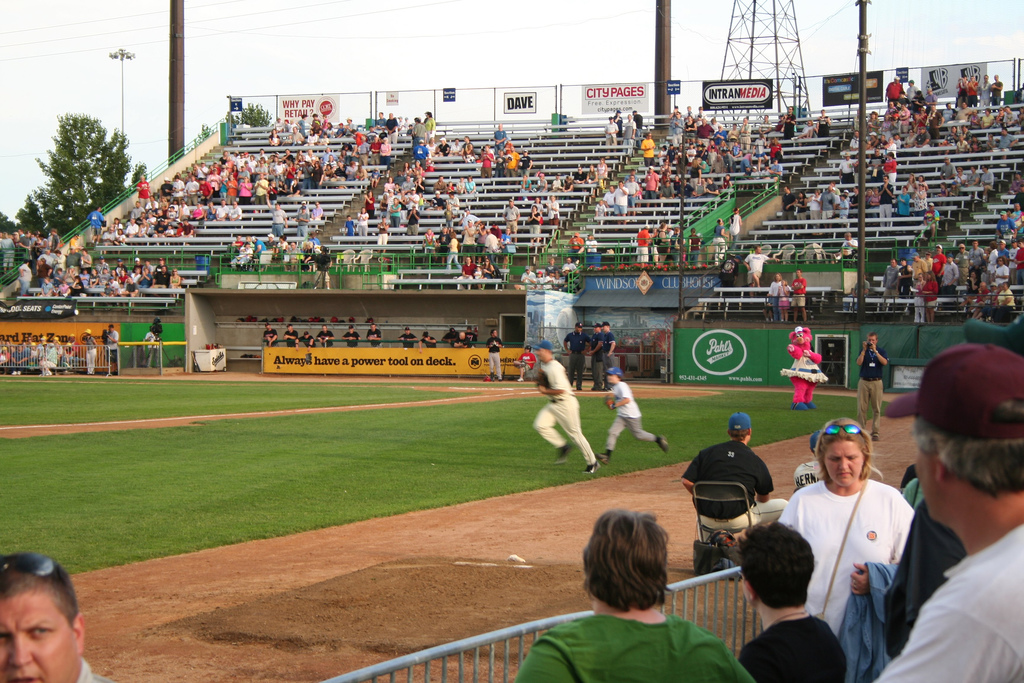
(197, 5)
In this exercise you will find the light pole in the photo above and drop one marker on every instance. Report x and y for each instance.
(122, 55)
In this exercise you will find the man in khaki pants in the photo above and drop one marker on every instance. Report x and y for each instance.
(563, 409)
(871, 360)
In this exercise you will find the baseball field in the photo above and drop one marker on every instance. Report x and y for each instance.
(207, 517)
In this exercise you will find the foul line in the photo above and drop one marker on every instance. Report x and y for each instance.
(265, 413)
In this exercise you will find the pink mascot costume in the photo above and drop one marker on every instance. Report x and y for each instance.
(804, 373)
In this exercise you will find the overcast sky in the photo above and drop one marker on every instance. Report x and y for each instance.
(57, 61)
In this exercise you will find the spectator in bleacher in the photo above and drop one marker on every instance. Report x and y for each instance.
(647, 147)
(755, 265)
(1004, 304)
(643, 244)
(775, 292)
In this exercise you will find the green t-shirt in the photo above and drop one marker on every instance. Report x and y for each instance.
(607, 648)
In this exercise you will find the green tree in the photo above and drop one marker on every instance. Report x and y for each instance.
(84, 170)
(253, 115)
(29, 217)
(6, 224)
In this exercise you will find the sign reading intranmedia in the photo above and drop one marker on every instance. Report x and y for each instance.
(748, 94)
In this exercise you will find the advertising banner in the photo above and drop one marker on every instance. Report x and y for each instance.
(943, 79)
(296, 106)
(520, 102)
(43, 310)
(731, 357)
(743, 94)
(381, 361)
(842, 90)
(608, 99)
(41, 331)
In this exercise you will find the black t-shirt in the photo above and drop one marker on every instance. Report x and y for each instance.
(269, 335)
(727, 274)
(798, 650)
(494, 344)
(374, 336)
(730, 461)
(307, 339)
(408, 340)
(326, 337)
(290, 337)
(429, 341)
(789, 202)
(353, 338)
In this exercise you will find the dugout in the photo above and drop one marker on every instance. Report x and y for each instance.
(218, 316)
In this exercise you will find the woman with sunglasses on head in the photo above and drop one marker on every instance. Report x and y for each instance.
(848, 520)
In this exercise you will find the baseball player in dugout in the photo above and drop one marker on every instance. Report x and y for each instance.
(562, 409)
(42, 633)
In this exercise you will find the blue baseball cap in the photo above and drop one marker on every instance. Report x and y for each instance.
(545, 344)
(614, 371)
(739, 422)
(814, 440)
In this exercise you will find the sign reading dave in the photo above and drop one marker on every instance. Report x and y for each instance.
(293, 108)
(384, 361)
(748, 94)
(943, 79)
(608, 99)
(520, 102)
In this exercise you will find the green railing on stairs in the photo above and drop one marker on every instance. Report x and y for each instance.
(154, 172)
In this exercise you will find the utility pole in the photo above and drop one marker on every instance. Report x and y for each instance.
(122, 55)
(662, 61)
(862, 124)
(176, 97)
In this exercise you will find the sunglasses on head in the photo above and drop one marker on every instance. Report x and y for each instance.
(28, 563)
(832, 430)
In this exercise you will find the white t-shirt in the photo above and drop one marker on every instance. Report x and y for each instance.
(621, 391)
(755, 262)
(878, 534)
(971, 628)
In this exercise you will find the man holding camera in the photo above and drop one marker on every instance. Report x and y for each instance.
(871, 360)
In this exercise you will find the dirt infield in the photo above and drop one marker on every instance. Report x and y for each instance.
(313, 605)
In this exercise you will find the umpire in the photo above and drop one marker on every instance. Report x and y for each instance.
(576, 343)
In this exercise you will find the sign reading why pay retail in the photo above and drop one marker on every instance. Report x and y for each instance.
(293, 108)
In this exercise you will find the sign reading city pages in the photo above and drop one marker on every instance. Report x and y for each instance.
(943, 79)
(731, 357)
(42, 310)
(385, 361)
(842, 90)
(520, 102)
(608, 99)
(748, 94)
(295, 107)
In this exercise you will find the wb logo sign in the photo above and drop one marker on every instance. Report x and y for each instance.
(475, 362)
(938, 79)
(971, 71)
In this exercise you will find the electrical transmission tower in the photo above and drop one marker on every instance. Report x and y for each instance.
(764, 43)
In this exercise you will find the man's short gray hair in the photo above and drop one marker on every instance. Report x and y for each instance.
(991, 465)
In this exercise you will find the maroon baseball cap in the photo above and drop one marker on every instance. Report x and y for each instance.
(962, 386)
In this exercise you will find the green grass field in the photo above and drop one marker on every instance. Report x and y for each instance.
(102, 399)
(100, 499)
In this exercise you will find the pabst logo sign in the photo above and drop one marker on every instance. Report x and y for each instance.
(719, 352)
